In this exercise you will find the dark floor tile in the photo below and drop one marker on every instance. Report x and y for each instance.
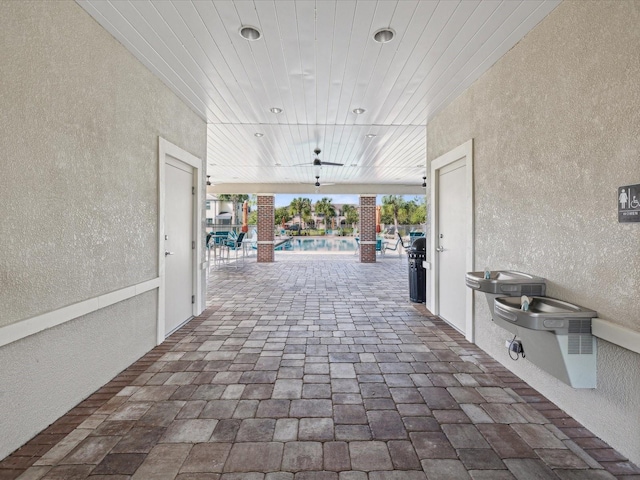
(432, 445)
(139, 440)
(403, 455)
(119, 464)
(386, 425)
(505, 441)
(480, 459)
(69, 472)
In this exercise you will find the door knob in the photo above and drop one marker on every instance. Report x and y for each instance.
(166, 254)
(440, 249)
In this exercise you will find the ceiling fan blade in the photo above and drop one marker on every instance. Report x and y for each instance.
(331, 163)
(306, 164)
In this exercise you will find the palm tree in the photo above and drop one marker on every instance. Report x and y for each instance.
(393, 204)
(350, 215)
(235, 199)
(325, 208)
(300, 206)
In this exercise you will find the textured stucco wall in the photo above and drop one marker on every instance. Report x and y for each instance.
(555, 126)
(80, 121)
(79, 127)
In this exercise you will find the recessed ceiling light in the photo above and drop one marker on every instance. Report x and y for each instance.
(275, 110)
(250, 33)
(370, 135)
(384, 35)
(258, 134)
(359, 111)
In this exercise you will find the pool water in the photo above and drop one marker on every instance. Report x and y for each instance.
(336, 245)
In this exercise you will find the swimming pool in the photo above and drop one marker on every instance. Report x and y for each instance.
(315, 244)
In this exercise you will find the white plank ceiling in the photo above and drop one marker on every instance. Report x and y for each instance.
(317, 61)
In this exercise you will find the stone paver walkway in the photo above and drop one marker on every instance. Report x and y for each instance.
(316, 368)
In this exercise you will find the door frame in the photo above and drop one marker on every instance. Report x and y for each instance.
(462, 151)
(167, 149)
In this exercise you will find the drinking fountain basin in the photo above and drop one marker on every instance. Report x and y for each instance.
(506, 282)
(555, 335)
(545, 313)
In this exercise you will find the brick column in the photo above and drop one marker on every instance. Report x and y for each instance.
(266, 217)
(367, 228)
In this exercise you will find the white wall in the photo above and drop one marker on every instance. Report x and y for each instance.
(79, 123)
(555, 126)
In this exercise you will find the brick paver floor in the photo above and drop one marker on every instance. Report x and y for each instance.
(316, 368)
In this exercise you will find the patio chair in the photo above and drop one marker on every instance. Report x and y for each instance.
(215, 242)
(234, 243)
(400, 239)
(395, 247)
(357, 239)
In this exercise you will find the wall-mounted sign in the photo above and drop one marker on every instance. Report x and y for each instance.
(629, 203)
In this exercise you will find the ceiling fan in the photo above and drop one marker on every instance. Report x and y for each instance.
(319, 163)
(317, 184)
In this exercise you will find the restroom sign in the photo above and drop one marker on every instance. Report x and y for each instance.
(629, 203)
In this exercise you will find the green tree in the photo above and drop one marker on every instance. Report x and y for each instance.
(300, 206)
(253, 217)
(394, 206)
(418, 215)
(325, 208)
(351, 215)
(235, 199)
(282, 213)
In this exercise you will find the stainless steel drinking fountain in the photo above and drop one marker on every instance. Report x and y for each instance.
(555, 335)
(505, 283)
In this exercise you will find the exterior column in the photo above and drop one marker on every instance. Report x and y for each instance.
(367, 228)
(266, 217)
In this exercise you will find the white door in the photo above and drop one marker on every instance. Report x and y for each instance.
(450, 244)
(178, 244)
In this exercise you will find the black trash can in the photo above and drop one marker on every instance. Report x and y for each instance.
(417, 274)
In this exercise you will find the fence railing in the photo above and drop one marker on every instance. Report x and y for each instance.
(387, 230)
